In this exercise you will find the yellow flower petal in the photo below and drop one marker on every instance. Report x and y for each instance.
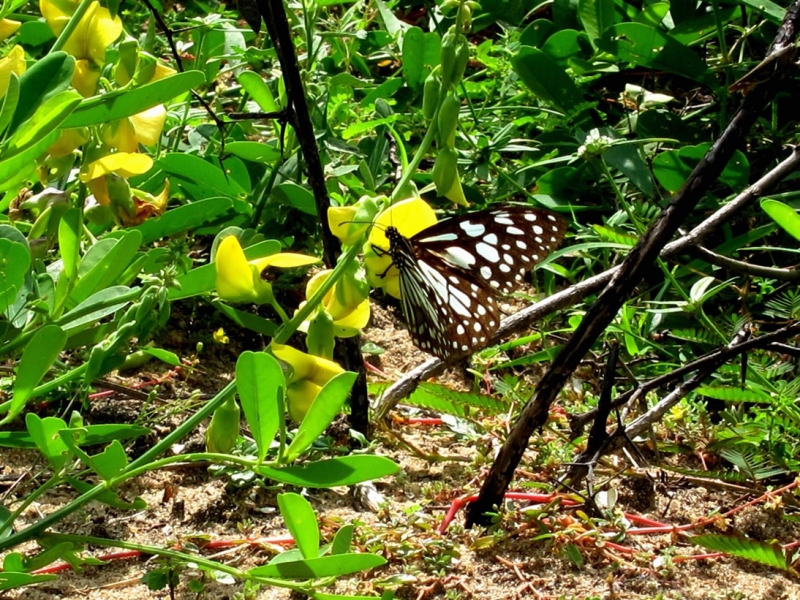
(14, 62)
(124, 164)
(300, 397)
(234, 274)
(85, 78)
(69, 141)
(120, 135)
(284, 260)
(8, 28)
(409, 217)
(306, 366)
(95, 32)
(149, 124)
(57, 13)
(99, 188)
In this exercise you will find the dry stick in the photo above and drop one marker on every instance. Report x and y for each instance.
(602, 312)
(738, 266)
(277, 23)
(574, 294)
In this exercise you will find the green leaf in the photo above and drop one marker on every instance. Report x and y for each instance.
(325, 566)
(15, 260)
(124, 103)
(645, 46)
(69, 237)
(183, 218)
(413, 56)
(47, 77)
(537, 33)
(10, 101)
(321, 413)
(296, 196)
(254, 151)
(95, 435)
(596, 16)
(46, 119)
(734, 394)
(200, 178)
(95, 307)
(18, 167)
(759, 552)
(784, 215)
(342, 540)
(344, 470)
(261, 386)
(247, 319)
(103, 264)
(11, 580)
(774, 12)
(44, 433)
(301, 522)
(441, 398)
(111, 461)
(542, 75)
(673, 167)
(37, 358)
(259, 91)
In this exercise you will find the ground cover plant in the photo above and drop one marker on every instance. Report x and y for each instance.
(229, 215)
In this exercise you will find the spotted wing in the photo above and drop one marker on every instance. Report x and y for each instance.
(495, 246)
(447, 310)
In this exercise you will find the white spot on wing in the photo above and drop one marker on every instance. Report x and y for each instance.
(487, 252)
(472, 229)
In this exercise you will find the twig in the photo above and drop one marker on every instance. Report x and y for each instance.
(274, 15)
(738, 266)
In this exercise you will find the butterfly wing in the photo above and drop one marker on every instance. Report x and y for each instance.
(496, 246)
(447, 310)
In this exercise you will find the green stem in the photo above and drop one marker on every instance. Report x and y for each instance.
(287, 329)
(71, 26)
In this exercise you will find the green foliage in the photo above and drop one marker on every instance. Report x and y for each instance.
(599, 111)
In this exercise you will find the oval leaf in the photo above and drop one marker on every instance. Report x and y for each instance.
(345, 470)
(261, 384)
(301, 521)
(321, 413)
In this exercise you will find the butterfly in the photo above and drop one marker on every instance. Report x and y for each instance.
(451, 272)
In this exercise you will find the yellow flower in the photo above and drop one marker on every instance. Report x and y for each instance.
(346, 303)
(144, 128)
(8, 28)
(239, 280)
(86, 77)
(95, 32)
(122, 164)
(13, 63)
(57, 13)
(409, 217)
(221, 337)
(349, 223)
(308, 374)
(70, 140)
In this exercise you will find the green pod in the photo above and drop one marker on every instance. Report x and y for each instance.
(462, 58)
(223, 431)
(447, 58)
(430, 96)
(320, 339)
(448, 121)
(445, 170)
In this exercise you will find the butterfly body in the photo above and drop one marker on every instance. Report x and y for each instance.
(450, 273)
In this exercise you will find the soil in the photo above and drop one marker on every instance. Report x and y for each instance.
(188, 504)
